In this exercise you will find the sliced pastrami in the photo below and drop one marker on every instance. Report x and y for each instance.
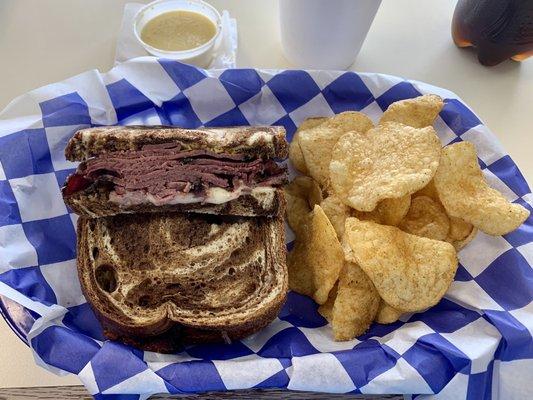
(164, 170)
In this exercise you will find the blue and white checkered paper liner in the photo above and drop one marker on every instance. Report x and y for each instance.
(475, 344)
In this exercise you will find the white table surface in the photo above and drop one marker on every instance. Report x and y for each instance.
(43, 41)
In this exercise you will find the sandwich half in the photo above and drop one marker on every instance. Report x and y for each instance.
(157, 280)
(223, 171)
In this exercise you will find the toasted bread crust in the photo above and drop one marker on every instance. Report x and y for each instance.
(177, 335)
(167, 335)
(254, 141)
(95, 203)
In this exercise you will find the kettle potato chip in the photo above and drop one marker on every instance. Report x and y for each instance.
(297, 211)
(461, 243)
(418, 112)
(387, 314)
(301, 278)
(389, 161)
(465, 194)
(337, 212)
(317, 258)
(356, 303)
(429, 191)
(426, 218)
(315, 195)
(459, 229)
(301, 194)
(350, 121)
(388, 211)
(461, 232)
(295, 152)
(317, 143)
(411, 273)
(303, 186)
(326, 309)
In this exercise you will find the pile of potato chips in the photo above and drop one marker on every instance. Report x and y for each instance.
(381, 212)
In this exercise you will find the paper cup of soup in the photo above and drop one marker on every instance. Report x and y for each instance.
(183, 30)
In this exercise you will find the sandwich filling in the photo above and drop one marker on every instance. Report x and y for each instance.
(167, 174)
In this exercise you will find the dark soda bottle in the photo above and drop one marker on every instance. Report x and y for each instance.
(498, 29)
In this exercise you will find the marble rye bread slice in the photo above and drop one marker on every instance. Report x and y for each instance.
(256, 141)
(158, 280)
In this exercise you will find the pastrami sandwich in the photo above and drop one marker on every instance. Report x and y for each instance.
(224, 171)
(180, 237)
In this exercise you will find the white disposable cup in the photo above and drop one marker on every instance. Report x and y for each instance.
(325, 34)
(201, 55)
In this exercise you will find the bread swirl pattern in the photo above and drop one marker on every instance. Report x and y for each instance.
(145, 273)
